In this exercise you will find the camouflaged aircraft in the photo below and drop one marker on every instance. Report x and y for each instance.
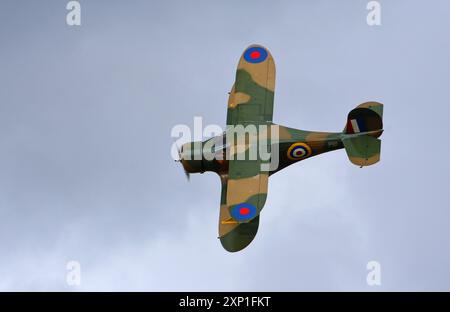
(244, 182)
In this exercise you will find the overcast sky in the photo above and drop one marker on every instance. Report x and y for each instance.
(86, 172)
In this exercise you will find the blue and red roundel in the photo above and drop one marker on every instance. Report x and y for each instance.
(298, 150)
(243, 212)
(255, 55)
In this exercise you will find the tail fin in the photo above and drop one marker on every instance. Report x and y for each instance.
(364, 126)
(364, 118)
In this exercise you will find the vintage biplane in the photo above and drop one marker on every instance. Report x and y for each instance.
(244, 181)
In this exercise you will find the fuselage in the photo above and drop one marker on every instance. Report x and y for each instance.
(293, 145)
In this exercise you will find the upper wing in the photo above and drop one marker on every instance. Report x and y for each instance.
(251, 98)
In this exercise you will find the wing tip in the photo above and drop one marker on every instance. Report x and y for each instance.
(241, 236)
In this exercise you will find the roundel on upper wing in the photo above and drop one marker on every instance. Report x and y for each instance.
(255, 55)
(298, 151)
(243, 212)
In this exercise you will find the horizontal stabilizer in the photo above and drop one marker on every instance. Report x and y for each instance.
(362, 150)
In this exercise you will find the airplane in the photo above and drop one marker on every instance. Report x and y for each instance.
(244, 182)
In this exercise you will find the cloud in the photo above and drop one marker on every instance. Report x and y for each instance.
(86, 172)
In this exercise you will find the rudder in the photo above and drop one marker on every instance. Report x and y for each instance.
(365, 118)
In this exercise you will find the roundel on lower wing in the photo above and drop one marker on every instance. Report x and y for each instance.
(255, 55)
(298, 151)
(243, 212)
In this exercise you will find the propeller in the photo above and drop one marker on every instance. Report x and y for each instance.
(180, 158)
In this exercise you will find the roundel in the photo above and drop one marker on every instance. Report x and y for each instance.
(298, 151)
(243, 212)
(255, 55)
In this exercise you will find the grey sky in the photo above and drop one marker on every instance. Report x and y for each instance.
(85, 167)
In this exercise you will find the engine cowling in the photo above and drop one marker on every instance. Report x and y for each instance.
(192, 157)
(194, 161)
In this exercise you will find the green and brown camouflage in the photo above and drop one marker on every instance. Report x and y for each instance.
(244, 183)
